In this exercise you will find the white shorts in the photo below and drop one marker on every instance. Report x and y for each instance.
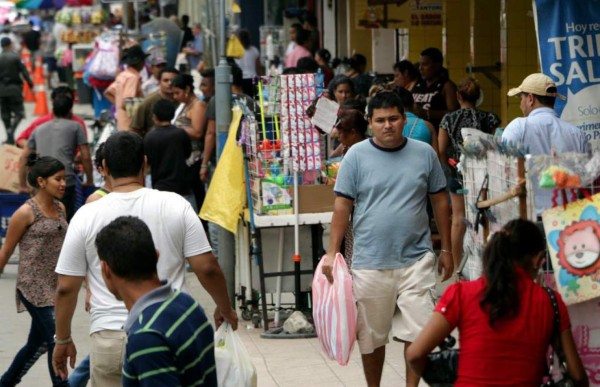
(396, 300)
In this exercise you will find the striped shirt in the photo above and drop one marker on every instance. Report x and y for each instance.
(169, 342)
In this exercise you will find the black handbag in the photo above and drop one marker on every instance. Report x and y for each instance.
(565, 380)
(442, 366)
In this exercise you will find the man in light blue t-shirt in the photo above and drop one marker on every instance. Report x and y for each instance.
(386, 180)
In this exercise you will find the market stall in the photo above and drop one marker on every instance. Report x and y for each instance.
(280, 235)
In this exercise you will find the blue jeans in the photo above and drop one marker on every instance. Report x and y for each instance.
(81, 374)
(40, 340)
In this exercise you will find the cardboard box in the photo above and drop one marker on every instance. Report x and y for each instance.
(9, 168)
(315, 198)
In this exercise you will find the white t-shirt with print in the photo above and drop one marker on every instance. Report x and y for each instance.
(176, 230)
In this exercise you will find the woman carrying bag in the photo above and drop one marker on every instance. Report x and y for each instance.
(505, 320)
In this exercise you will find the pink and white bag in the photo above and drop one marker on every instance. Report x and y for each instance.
(334, 311)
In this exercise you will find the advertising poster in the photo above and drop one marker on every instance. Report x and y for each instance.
(569, 50)
(398, 14)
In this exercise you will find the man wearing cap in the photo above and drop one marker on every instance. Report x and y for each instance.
(541, 130)
(128, 84)
(157, 63)
(12, 74)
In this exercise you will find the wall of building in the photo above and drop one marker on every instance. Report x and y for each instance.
(496, 36)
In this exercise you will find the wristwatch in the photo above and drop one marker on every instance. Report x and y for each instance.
(58, 341)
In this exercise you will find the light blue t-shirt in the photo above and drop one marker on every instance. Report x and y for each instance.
(197, 45)
(389, 188)
(539, 132)
(416, 129)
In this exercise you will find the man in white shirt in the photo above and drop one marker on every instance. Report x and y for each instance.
(541, 130)
(178, 236)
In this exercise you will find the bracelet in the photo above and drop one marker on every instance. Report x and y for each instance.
(203, 165)
(58, 341)
(446, 251)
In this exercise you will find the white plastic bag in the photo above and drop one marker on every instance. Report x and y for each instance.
(334, 311)
(234, 367)
(105, 64)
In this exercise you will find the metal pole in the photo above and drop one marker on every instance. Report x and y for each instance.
(226, 246)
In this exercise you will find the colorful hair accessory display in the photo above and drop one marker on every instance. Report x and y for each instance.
(559, 177)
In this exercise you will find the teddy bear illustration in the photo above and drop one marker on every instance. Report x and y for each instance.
(579, 249)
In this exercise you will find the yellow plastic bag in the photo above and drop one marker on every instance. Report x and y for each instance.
(234, 47)
(226, 194)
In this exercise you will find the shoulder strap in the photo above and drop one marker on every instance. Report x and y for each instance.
(414, 125)
(556, 324)
(36, 209)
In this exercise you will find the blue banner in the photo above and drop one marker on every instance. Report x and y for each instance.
(568, 35)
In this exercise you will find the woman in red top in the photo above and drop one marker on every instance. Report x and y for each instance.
(504, 319)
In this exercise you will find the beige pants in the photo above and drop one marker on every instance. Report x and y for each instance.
(399, 301)
(106, 358)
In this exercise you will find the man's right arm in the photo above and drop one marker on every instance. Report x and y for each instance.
(65, 303)
(209, 148)
(339, 222)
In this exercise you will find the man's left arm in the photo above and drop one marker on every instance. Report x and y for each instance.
(86, 160)
(209, 273)
(441, 213)
(25, 74)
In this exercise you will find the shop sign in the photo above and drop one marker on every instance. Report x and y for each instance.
(569, 49)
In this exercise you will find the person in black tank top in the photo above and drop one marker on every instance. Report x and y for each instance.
(434, 93)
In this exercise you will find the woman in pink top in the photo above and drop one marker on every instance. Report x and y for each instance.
(505, 320)
(128, 84)
(302, 49)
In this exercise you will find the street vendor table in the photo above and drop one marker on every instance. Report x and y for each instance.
(275, 241)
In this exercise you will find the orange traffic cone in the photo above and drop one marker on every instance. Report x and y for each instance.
(41, 100)
(28, 95)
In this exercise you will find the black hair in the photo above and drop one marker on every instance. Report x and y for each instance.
(307, 65)
(210, 73)
(385, 100)
(324, 54)
(406, 65)
(357, 103)
(99, 156)
(358, 60)
(164, 110)
(237, 76)
(406, 96)
(512, 247)
(62, 90)
(352, 119)
(124, 154)
(339, 80)
(62, 105)
(545, 99)
(434, 54)
(43, 167)
(126, 245)
(244, 37)
(289, 71)
(185, 19)
(167, 70)
(183, 81)
(297, 27)
(302, 36)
